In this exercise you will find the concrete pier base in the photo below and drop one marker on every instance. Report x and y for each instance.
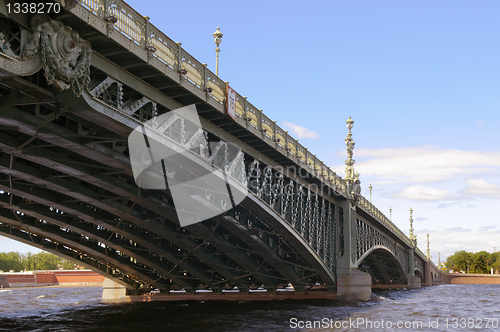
(414, 282)
(114, 292)
(355, 286)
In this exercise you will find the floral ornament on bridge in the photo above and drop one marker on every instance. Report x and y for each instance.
(351, 177)
(65, 55)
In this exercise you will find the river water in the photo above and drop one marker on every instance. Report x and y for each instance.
(73, 309)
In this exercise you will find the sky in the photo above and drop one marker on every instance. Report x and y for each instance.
(420, 79)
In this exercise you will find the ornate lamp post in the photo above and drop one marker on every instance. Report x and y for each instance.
(217, 39)
(351, 177)
(413, 238)
(390, 214)
(428, 248)
(349, 169)
(370, 187)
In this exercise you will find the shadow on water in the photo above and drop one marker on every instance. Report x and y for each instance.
(63, 310)
(77, 309)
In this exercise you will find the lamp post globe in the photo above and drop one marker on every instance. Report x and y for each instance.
(217, 40)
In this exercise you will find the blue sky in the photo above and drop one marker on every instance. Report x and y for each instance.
(420, 79)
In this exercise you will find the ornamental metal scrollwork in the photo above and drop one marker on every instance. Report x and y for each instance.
(65, 55)
(367, 237)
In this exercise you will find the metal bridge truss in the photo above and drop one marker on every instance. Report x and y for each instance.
(66, 185)
(69, 190)
(372, 247)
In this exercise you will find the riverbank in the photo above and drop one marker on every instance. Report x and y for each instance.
(470, 278)
(52, 286)
(68, 278)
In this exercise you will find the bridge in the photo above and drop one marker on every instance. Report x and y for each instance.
(75, 82)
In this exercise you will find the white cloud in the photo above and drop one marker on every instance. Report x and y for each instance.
(299, 131)
(425, 164)
(384, 183)
(482, 188)
(480, 123)
(448, 241)
(423, 193)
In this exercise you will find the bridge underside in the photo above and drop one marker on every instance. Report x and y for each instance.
(383, 268)
(67, 187)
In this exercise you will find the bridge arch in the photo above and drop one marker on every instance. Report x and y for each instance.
(419, 273)
(73, 192)
(382, 265)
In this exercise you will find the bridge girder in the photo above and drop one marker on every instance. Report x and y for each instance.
(101, 235)
(67, 188)
(91, 248)
(132, 283)
(73, 150)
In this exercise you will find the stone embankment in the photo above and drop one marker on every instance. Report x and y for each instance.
(51, 278)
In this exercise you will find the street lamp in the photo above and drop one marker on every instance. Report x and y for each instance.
(413, 237)
(217, 39)
(370, 192)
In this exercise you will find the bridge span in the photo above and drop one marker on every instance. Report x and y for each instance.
(74, 84)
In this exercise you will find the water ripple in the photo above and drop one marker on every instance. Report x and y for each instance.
(81, 309)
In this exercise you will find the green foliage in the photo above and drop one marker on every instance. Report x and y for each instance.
(479, 262)
(11, 261)
(460, 260)
(496, 263)
(30, 262)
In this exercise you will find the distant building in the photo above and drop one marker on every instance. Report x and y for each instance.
(51, 278)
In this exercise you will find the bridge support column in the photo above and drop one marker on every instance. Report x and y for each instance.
(114, 292)
(428, 274)
(352, 284)
(412, 281)
(356, 286)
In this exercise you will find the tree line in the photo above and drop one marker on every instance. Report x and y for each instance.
(30, 262)
(479, 262)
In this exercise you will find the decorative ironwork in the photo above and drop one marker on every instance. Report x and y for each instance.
(349, 170)
(341, 233)
(367, 237)
(413, 237)
(420, 266)
(364, 204)
(428, 248)
(65, 55)
(300, 207)
(137, 34)
(310, 214)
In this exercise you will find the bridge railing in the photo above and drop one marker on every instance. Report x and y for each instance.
(420, 253)
(377, 214)
(170, 56)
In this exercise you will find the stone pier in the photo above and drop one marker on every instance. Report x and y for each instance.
(114, 292)
(356, 286)
(414, 282)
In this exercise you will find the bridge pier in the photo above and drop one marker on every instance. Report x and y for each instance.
(412, 281)
(352, 284)
(356, 286)
(114, 292)
(432, 274)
